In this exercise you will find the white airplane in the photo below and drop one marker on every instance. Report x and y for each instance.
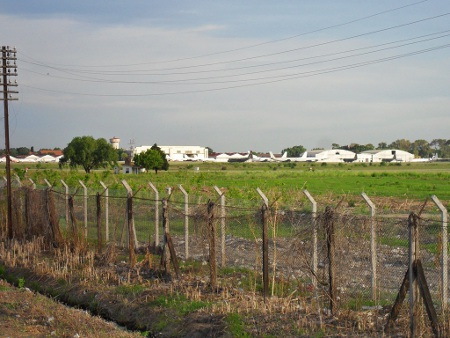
(284, 158)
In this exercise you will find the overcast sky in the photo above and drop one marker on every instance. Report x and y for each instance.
(231, 75)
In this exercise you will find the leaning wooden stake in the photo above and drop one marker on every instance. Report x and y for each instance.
(165, 256)
(329, 229)
(99, 223)
(131, 243)
(414, 276)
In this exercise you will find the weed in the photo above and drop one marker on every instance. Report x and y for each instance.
(179, 303)
(21, 283)
(130, 289)
(236, 326)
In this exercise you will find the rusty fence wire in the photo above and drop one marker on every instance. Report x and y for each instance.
(370, 253)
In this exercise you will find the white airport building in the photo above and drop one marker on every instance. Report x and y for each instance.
(385, 155)
(179, 153)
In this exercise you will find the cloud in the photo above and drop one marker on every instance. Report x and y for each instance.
(155, 81)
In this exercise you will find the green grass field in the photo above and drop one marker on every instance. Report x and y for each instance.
(280, 180)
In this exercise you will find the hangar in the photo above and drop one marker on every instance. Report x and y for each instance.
(385, 155)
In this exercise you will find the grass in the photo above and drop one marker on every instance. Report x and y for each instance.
(236, 325)
(415, 180)
(179, 303)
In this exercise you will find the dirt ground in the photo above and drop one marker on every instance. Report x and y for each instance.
(24, 313)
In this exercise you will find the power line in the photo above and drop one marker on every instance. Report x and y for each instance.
(273, 80)
(313, 62)
(251, 57)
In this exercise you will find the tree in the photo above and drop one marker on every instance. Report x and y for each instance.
(382, 145)
(89, 153)
(23, 151)
(421, 148)
(154, 158)
(294, 151)
(401, 144)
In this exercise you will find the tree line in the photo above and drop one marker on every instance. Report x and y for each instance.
(24, 151)
(420, 148)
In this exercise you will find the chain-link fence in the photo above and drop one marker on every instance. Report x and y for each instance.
(364, 258)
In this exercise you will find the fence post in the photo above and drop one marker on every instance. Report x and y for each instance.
(222, 225)
(99, 223)
(331, 250)
(186, 222)
(18, 180)
(85, 208)
(48, 183)
(265, 243)
(373, 245)
(132, 239)
(156, 213)
(106, 211)
(165, 257)
(212, 245)
(33, 185)
(413, 237)
(444, 255)
(313, 216)
(66, 197)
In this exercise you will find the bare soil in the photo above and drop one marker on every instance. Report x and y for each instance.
(25, 313)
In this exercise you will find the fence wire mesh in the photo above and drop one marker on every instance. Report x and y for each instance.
(298, 253)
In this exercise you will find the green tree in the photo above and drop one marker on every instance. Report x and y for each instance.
(165, 165)
(382, 145)
(294, 151)
(23, 151)
(152, 159)
(421, 148)
(401, 144)
(89, 153)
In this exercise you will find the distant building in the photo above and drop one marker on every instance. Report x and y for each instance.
(179, 153)
(385, 155)
(331, 155)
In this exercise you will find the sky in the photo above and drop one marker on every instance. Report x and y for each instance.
(231, 75)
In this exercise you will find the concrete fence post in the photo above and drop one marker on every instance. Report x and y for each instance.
(18, 180)
(373, 244)
(314, 222)
(106, 211)
(156, 213)
(48, 183)
(186, 222)
(33, 185)
(66, 197)
(85, 208)
(222, 225)
(444, 255)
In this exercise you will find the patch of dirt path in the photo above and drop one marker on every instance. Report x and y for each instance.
(24, 313)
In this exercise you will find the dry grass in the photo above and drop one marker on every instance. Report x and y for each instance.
(24, 313)
(143, 297)
(142, 300)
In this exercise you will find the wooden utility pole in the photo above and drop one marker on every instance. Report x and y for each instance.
(9, 68)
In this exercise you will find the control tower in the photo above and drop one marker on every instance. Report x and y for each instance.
(115, 142)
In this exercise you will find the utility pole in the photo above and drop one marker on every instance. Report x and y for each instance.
(9, 68)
